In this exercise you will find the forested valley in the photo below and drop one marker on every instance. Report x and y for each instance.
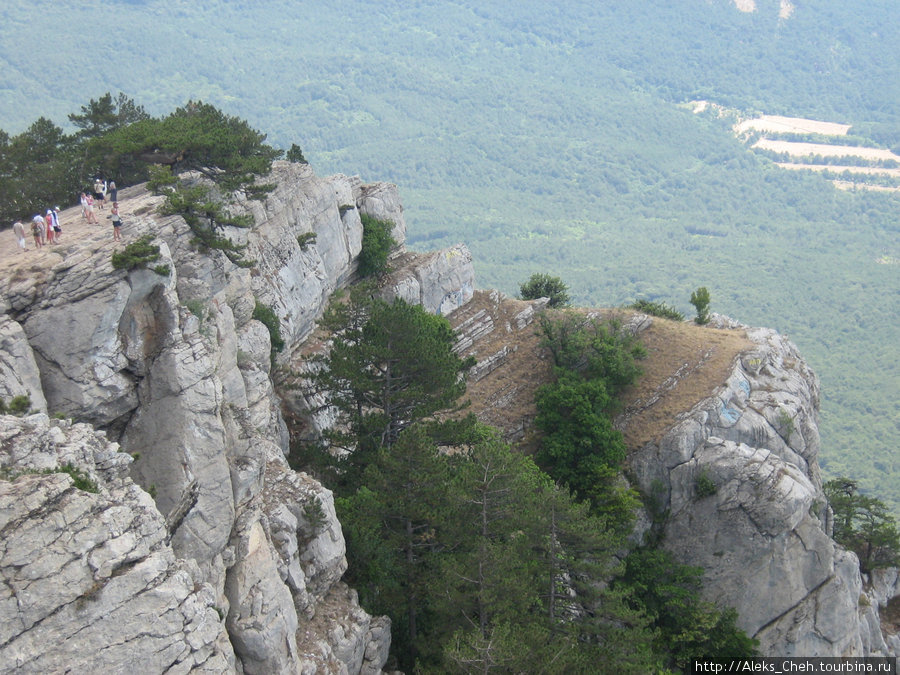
(554, 139)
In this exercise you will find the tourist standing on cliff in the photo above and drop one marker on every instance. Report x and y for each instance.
(37, 230)
(113, 191)
(91, 216)
(116, 222)
(51, 234)
(98, 192)
(19, 231)
(54, 217)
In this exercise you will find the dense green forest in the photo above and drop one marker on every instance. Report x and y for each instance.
(550, 138)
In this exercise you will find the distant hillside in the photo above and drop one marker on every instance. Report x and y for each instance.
(548, 137)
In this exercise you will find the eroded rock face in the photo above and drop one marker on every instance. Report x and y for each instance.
(87, 580)
(739, 477)
(174, 368)
(19, 374)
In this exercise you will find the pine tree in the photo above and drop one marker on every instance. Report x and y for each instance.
(390, 365)
(393, 533)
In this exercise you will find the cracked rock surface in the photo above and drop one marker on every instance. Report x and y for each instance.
(169, 376)
(761, 527)
(87, 583)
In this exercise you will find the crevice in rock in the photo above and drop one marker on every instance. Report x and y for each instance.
(793, 607)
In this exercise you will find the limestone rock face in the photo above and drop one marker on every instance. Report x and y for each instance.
(87, 580)
(441, 281)
(19, 374)
(229, 565)
(761, 531)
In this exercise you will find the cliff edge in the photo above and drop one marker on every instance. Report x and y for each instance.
(196, 547)
(150, 519)
(722, 431)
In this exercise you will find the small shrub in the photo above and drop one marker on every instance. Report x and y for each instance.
(306, 240)
(81, 480)
(197, 307)
(660, 309)
(541, 285)
(704, 486)
(785, 424)
(243, 359)
(295, 155)
(377, 243)
(162, 270)
(266, 315)
(137, 254)
(18, 405)
(152, 490)
(700, 301)
(314, 514)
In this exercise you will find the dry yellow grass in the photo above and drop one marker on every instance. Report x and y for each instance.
(807, 149)
(685, 363)
(792, 125)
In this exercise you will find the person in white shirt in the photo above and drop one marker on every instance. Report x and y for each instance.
(19, 231)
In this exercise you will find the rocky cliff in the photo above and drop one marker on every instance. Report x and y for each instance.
(149, 518)
(194, 546)
(735, 409)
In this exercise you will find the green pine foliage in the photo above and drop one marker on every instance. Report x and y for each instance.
(18, 405)
(138, 254)
(483, 562)
(700, 301)
(864, 525)
(540, 285)
(295, 154)
(656, 308)
(377, 244)
(601, 350)
(579, 443)
(687, 627)
(390, 365)
(579, 446)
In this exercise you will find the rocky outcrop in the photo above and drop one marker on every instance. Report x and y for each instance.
(19, 374)
(88, 582)
(234, 563)
(732, 473)
(739, 482)
(238, 556)
(441, 282)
